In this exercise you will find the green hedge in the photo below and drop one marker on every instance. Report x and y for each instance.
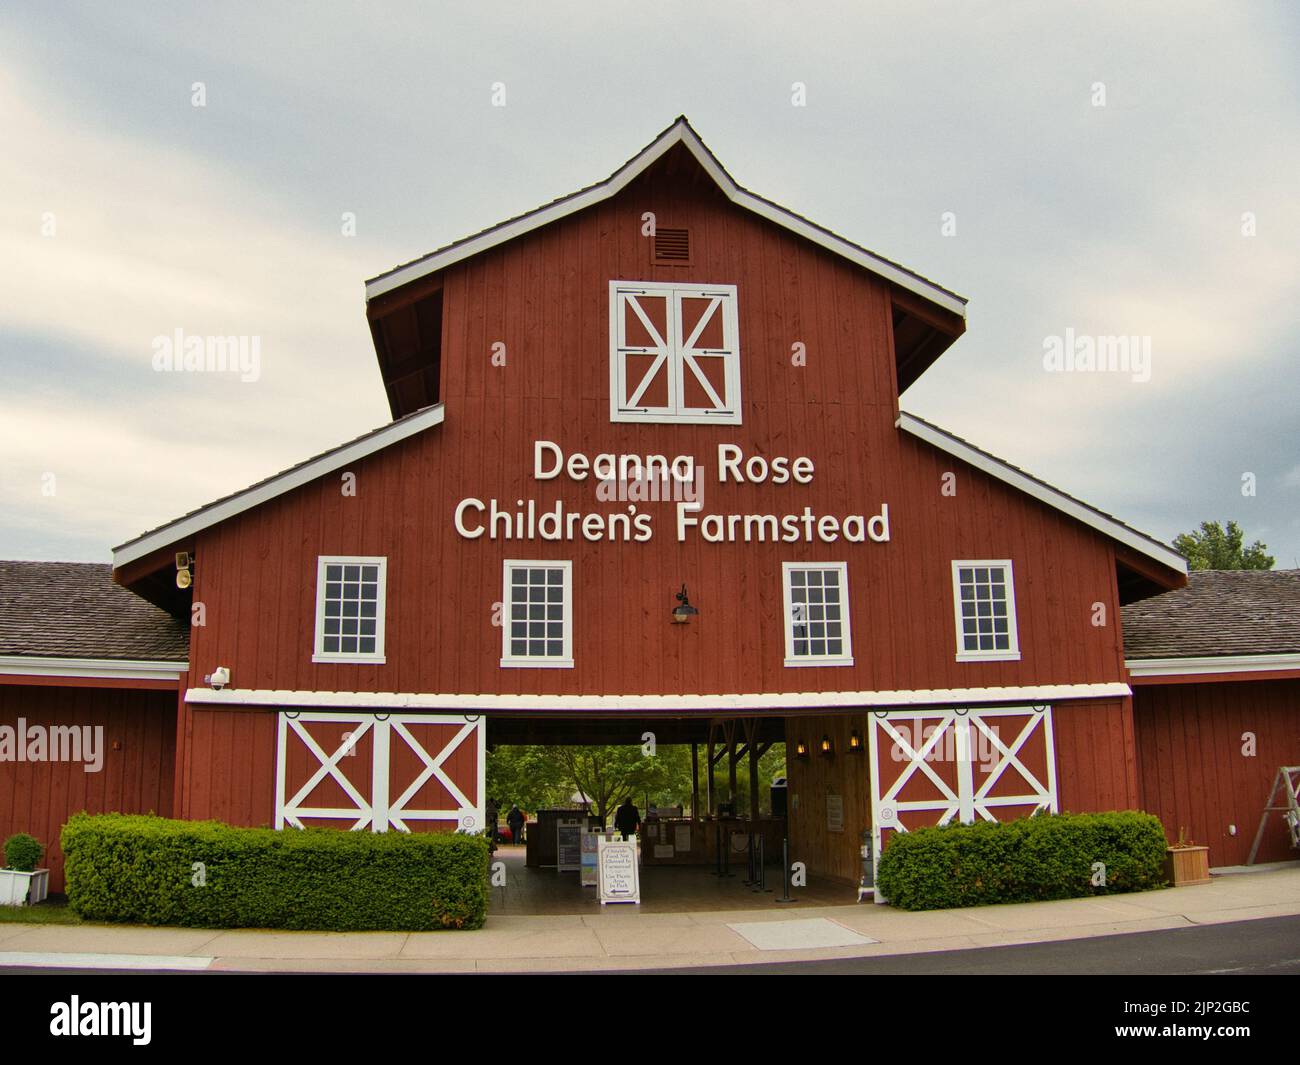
(1050, 856)
(141, 869)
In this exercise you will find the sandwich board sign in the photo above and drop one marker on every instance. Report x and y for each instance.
(619, 875)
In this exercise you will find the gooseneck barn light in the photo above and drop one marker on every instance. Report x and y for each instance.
(683, 611)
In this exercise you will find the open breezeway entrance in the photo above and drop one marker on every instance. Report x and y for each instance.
(712, 823)
(717, 800)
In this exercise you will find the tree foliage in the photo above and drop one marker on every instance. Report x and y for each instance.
(1213, 547)
(530, 776)
(538, 776)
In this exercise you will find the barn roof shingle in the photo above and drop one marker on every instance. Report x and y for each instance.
(74, 610)
(1220, 612)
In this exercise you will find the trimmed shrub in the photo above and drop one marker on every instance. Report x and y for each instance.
(23, 852)
(204, 874)
(1050, 856)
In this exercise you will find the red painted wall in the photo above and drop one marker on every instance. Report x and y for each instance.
(1096, 756)
(38, 797)
(1195, 774)
(545, 297)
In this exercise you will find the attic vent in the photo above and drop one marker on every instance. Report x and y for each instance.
(672, 247)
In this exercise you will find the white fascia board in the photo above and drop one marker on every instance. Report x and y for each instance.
(679, 133)
(96, 668)
(1043, 693)
(1116, 530)
(1173, 667)
(276, 486)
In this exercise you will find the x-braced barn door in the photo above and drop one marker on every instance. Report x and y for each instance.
(376, 771)
(931, 766)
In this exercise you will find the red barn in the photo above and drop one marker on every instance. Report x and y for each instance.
(661, 384)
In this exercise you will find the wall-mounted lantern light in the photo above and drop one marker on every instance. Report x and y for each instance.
(827, 747)
(801, 749)
(855, 742)
(683, 611)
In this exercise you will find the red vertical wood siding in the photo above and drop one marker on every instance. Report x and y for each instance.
(1195, 773)
(1096, 756)
(217, 742)
(39, 797)
(545, 296)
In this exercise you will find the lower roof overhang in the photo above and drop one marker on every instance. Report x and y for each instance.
(688, 705)
(92, 672)
(1207, 669)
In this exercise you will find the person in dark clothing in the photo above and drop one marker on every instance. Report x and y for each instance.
(493, 823)
(627, 819)
(515, 819)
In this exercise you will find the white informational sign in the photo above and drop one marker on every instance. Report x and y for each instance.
(620, 877)
(834, 813)
(682, 837)
(663, 850)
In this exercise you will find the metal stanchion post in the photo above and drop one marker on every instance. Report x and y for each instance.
(785, 871)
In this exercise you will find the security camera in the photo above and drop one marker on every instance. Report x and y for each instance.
(218, 678)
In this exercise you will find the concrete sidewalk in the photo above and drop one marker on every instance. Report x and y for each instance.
(622, 938)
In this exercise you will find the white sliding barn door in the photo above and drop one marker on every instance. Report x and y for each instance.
(929, 767)
(380, 771)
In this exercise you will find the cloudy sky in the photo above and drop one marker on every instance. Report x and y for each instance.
(1110, 169)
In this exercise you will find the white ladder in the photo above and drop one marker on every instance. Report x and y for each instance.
(1288, 779)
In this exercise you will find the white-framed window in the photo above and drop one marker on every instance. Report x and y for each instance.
(674, 353)
(350, 597)
(984, 600)
(817, 614)
(538, 626)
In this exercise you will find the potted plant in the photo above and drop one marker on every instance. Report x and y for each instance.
(1186, 863)
(20, 881)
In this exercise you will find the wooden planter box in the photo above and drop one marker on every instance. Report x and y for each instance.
(1185, 866)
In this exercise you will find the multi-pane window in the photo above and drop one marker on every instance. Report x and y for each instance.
(350, 609)
(817, 614)
(985, 605)
(538, 626)
(674, 353)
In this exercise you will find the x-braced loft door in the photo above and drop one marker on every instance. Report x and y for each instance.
(931, 766)
(376, 771)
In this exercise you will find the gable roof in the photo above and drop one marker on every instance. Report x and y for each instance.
(1080, 511)
(680, 132)
(1219, 613)
(73, 610)
(254, 495)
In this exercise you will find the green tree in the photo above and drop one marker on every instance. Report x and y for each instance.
(1211, 547)
(609, 774)
(530, 776)
(537, 776)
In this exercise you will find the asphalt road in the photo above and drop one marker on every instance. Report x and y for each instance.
(1268, 946)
